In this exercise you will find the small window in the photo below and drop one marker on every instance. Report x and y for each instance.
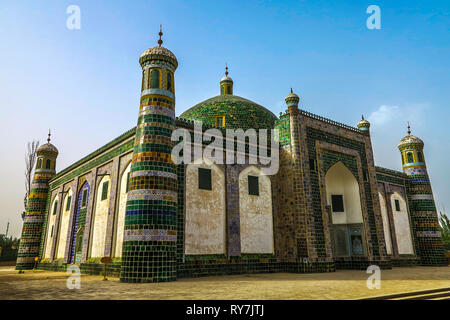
(312, 164)
(51, 234)
(220, 121)
(128, 181)
(154, 80)
(397, 205)
(169, 82)
(55, 206)
(419, 156)
(84, 198)
(337, 202)
(69, 201)
(105, 190)
(47, 164)
(410, 157)
(365, 175)
(403, 158)
(204, 179)
(253, 186)
(39, 164)
(228, 90)
(221, 91)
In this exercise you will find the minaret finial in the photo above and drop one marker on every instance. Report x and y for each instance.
(49, 134)
(160, 35)
(409, 129)
(362, 117)
(226, 69)
(292, 91)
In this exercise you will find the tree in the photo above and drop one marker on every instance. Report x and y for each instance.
(30, 161)
(445, 229)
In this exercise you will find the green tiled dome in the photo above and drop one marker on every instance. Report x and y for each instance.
(238, 112)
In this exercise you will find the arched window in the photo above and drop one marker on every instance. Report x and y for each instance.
(403, 159)
(419, 156)
(169, 81)
(47, 164)
(144, 79)
(154, 81)
(228, 90)
(410, 157)
(39, 164)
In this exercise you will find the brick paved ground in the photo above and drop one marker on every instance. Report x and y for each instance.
(338, 285)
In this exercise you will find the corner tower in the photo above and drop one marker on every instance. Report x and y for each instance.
(36, 206)
(423, 210)
(149, 243)
(364, 125)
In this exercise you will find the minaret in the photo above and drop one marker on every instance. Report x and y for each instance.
(226, 83)
(33, 222)
(149, 243)
(423, 210)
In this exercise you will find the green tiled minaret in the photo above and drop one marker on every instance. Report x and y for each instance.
(423, 209)
(33, 222)
(149, 243)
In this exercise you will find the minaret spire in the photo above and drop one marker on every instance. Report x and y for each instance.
(49, 134)
(226, 69)
(160, 35)
(409, 129)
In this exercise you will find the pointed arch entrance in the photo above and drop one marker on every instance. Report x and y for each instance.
(344, 205)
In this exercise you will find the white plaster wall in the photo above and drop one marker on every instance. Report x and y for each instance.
(255, 213)
(100, 219)
(401, 225)
(51, 222)
(339, 180)
(205, 212)
(121, 212)
(64, 227)
(387, 231)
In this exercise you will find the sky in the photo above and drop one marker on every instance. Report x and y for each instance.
(85, 84)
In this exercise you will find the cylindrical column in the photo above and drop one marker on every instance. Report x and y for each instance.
(423, 210)
(149, 243)
(36, 205)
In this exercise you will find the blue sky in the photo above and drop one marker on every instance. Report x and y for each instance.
(84, 84)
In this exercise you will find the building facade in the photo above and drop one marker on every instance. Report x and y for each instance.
(327, 207)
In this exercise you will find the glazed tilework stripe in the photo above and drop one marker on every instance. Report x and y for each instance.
(154, 173)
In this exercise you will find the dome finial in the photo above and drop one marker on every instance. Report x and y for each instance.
(160, 35)
(409, 129)
(292, 91)
(226, 69)
(49, 134)
(362, 117)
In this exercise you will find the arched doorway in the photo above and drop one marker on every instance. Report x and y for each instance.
(78, 225)
(344, 205)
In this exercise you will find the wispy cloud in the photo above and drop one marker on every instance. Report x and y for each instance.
(387, 115)
(384, 115)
